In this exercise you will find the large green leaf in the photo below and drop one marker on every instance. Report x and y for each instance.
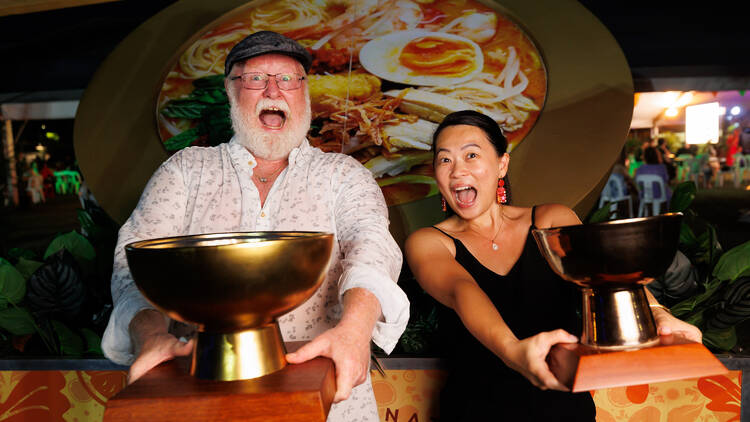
(27, 267)
(93, 342)
(73, 242)
(602, 214)
(688, 239)
(17, 321)
(722, 340)
(12, 285)
(71, 344)
(686, 307)
(682, 196)
(734, 263)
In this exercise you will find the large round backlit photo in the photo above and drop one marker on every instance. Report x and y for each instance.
(384, 75)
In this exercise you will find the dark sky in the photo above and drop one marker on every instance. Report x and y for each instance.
(61, 49)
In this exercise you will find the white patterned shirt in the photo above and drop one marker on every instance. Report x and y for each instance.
(209, 190)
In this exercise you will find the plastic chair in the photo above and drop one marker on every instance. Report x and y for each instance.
(616, 191)
(67, 181)
(646, 184)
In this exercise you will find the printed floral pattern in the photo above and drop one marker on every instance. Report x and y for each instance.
(32, 396)
(402, 396)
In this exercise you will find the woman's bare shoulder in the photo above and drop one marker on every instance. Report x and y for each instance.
(429, 237)
(555, 215)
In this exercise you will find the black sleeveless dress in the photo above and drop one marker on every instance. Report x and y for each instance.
(531, 298)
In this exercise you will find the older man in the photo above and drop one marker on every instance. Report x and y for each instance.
(267, 177)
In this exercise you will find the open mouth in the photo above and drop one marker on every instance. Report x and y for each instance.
(465, 196)
(272, 117)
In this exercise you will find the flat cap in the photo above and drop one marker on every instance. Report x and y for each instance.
(266, 42)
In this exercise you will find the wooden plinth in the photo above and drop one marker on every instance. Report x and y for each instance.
(583, 369)
(168, 393)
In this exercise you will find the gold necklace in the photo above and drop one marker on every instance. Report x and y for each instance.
(265, 179)
(492, 241)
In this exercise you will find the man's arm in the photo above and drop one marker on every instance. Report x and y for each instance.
(347, 344)
(152, 343)
(135, 328)
(374, 306)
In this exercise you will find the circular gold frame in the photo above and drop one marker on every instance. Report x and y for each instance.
(563, 159)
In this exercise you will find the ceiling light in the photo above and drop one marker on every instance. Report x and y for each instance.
(735, 110)
(671, 112)
(668, 98)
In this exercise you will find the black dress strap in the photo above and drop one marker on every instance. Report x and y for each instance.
(533, 217)
(435, 227)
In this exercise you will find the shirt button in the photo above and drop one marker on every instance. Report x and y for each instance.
(262, 214)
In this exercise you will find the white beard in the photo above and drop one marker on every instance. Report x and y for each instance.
(270, 146)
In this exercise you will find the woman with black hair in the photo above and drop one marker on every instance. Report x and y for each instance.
(504, 306)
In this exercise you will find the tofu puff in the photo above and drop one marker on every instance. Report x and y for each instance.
(361, 87)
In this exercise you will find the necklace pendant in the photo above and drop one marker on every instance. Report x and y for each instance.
(494, 246)
(263, 179)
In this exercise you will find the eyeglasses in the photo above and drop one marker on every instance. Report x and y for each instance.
(258, 80)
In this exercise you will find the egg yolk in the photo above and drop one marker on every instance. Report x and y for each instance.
(431, 55)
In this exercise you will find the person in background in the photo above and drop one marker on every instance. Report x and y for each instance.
(504, 307)
(667, 158)
(269, 178)
(711, 171)
(654, 166)
(745, 137)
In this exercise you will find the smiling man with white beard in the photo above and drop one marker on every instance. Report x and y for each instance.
(268, 178)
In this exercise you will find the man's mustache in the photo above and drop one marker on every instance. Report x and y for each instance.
(267, 103)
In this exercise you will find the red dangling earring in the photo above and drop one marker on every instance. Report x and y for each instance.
(501, 197)
(442, 202)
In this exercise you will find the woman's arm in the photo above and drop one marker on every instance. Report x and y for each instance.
(437, 271)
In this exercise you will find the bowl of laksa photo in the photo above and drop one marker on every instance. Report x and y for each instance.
(384, 74)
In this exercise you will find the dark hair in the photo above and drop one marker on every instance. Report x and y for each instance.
(651, 156)
(488, 125)
(474, 118)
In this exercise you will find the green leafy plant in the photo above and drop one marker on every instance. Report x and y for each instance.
(59, 304)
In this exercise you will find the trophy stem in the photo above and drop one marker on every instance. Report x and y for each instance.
(617, 318)
(238, 356)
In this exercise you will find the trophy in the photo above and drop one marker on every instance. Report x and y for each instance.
(611, 263)
(232, 287)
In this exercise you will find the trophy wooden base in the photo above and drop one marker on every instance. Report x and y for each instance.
(168, 393)
(583, 369)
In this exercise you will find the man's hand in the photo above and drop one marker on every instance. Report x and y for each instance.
(347, 344)
(153, 344)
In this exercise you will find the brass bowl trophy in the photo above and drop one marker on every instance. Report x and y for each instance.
(232, 287)
(611, 263)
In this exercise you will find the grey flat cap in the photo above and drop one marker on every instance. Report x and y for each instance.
(265, 42)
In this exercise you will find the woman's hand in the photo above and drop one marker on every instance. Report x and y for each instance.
(667, 324)
(528, 357)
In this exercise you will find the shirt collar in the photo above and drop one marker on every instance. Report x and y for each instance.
(241, 154)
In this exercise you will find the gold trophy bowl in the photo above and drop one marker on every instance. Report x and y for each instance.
(611, 262)
(232, 287)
